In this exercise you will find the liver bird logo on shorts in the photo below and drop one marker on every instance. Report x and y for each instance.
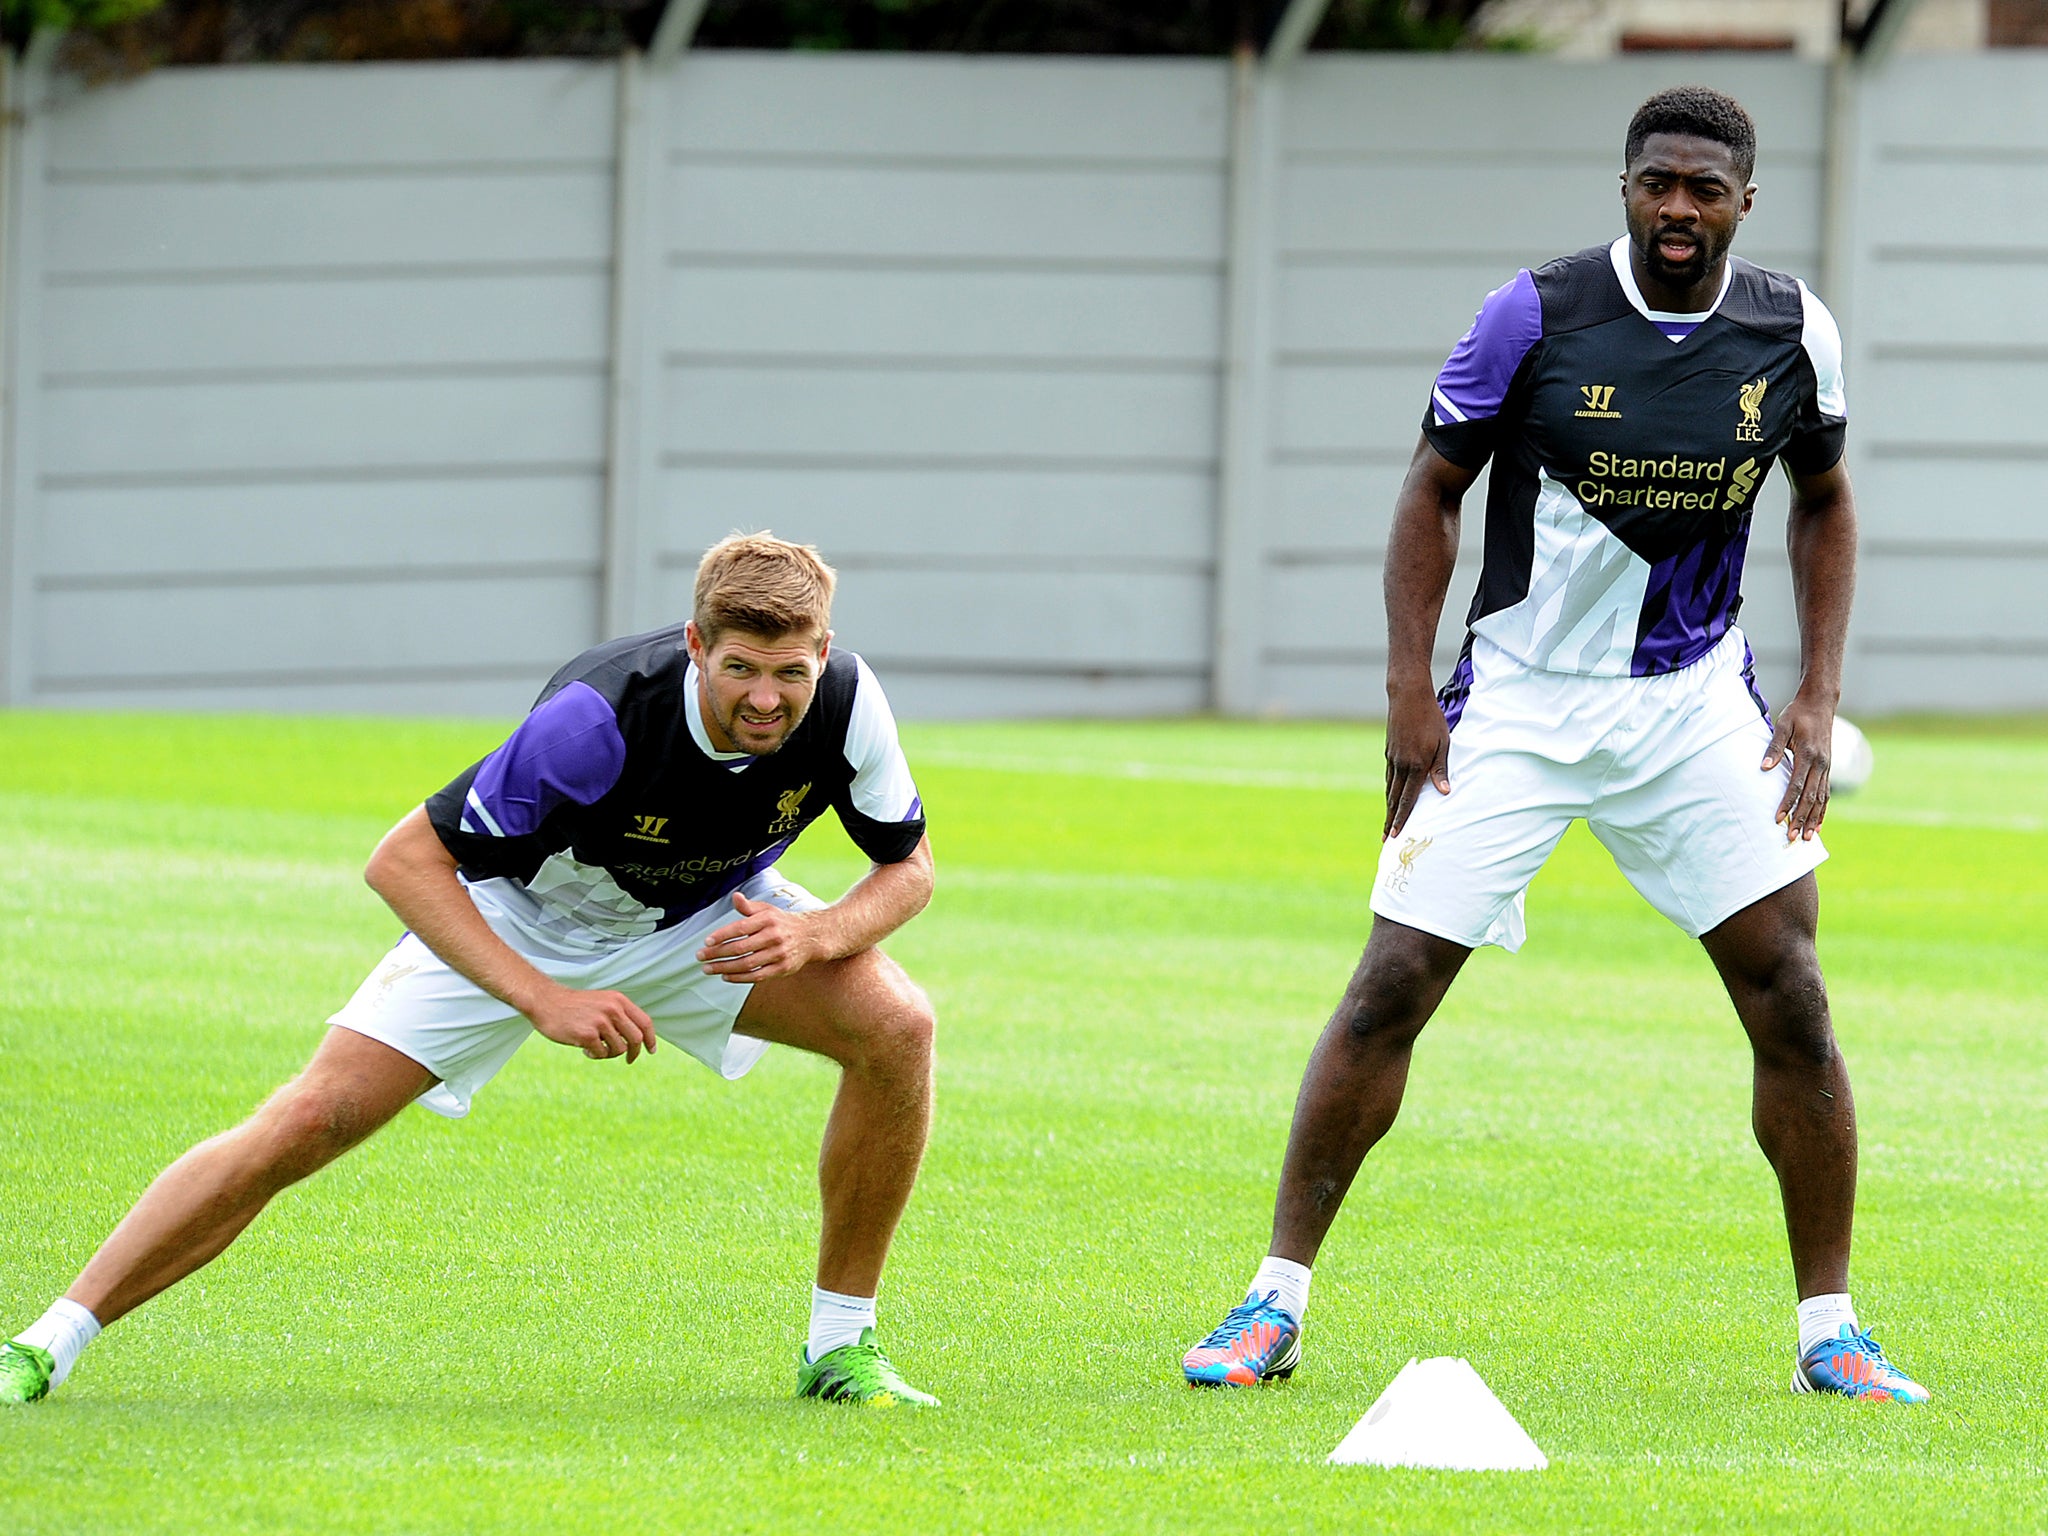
(1410, 851)
(787, 804)
(1751, 400)
(391, 976)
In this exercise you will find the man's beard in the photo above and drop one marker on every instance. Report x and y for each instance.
(734, 728)
(1683, 274)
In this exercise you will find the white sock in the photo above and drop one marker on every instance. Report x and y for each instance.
(837, 1320)
(64, 1331)
(1288, 1279)
(1821, 1317)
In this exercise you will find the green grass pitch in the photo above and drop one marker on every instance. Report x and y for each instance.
(579, 1310)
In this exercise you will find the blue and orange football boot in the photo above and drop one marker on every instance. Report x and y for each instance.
(1256, 1341)
(1851, 1365)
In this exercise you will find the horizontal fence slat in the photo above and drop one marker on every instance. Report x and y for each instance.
(1948, 205)
(1950, 598)
(1469, 105)
(879, 105)
(878, 413)
(1990, 100)
(369, 220)
(1076, 520)
(336, 426)
(309, 325)
(181, 532)
(773, 311)
(308, 116)
(1012, 215)
(193, 635)
(1951, 402)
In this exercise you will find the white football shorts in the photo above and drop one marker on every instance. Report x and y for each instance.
(419, 1005)
(1663, 769)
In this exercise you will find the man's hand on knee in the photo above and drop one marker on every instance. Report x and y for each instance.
(601, 1025)
(765, 941)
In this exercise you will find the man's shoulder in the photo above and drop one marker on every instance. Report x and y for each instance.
(1766, 300)
(637, 664)
(1579, 290)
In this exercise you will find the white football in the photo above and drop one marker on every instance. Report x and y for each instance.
(1853, 759)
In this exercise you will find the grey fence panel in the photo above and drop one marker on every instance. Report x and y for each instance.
(323, 358)
(1410, 188)
(959, 323)
(1951, 342)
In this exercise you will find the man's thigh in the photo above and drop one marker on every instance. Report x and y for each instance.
(1700, 840)
(1460, 866)
(833, 1007)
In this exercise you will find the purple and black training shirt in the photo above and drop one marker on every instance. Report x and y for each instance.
(608, 814)
(1628, 446)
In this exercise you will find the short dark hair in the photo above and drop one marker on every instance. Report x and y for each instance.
(1700, 112)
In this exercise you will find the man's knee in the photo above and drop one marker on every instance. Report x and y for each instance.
(1397, 986)
(307, 1124)
(905, 1026)
(881, 1017)
(1793, 1022)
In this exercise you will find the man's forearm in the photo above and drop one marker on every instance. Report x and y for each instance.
(416, 876)
(876, 905)
(1422, 550)
(1821, 542)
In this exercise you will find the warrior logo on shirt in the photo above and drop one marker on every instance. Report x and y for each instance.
(1752, 402)
(647, 829)
(1599, 401)
(787, 804)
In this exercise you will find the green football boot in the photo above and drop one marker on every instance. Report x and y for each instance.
(857, 1373)
(24, 1372)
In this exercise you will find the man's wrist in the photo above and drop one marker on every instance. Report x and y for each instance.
(1403, 682)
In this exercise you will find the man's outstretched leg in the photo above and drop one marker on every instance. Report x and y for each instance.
(203, 1201)
(1805, 1121)
(1349, 1097)
(866, 1014)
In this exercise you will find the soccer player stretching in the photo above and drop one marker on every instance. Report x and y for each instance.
(607, 878)
(1632, 399)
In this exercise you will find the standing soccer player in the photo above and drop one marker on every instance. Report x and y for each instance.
(606, 878)
(1632, 398)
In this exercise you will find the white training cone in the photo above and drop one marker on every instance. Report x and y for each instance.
(1438, 1413)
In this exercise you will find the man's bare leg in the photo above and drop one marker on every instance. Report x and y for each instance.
(866, 1014)
(1356, 1076)
(1349, 1097)
(1801, 1110)
(203, 1201)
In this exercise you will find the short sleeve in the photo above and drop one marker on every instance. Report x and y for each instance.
(1821, 430)
(568, 751)
(880, 808)
(1466, 399)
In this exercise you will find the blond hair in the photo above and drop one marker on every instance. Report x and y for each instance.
(762, 585)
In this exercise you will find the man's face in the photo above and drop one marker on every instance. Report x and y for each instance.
(1684, 198)
(756, 687)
